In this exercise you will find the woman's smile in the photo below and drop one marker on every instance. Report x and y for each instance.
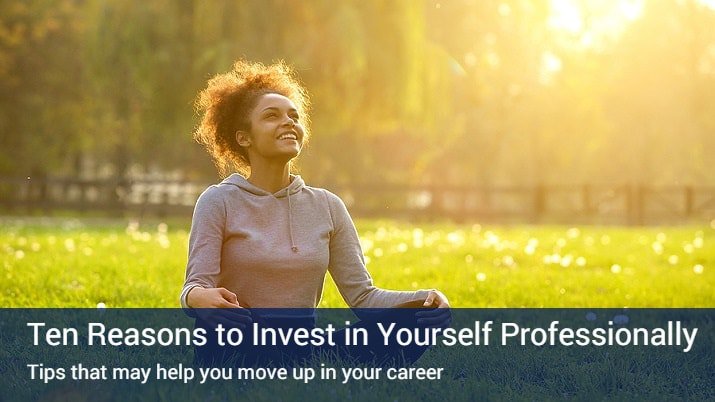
(276, 132)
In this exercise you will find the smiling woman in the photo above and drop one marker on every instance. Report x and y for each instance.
(227, 101)
(262, 238)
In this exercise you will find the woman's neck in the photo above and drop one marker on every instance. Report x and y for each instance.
(271, 178)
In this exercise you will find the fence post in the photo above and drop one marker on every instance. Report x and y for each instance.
(635, 195)
(689, 199)
(539, 202)
(586, 199)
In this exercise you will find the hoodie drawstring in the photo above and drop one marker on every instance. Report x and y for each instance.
(290, 224)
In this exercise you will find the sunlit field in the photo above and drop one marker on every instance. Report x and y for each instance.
(72, 263)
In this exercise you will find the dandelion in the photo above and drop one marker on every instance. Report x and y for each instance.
(698, 269)
(455, 238)
(491, 238)
(35, 246)
(673, 259)
(162, 228)
(616, 269)
(562, 291)
(164, 242)
(605, 240)
(688, 248)
(481, 277)
(508, 260)
(69, 245)
(698, 242)
(468, 259)
(402, 247)
(661, 237)
(101, 306)
(19, 254)
(366, 244)
(381, 234)
(555, 258)
(657, 248)
(566, 261)
(581, 261)
(573, 233)
(531, 245)
(415, 285)
(132, 227)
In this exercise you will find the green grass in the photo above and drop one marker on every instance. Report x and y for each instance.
(72, 263)
(63, 262)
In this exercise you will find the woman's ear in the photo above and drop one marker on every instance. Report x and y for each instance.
(243, 139)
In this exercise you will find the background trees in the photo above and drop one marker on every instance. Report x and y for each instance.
(469, 92)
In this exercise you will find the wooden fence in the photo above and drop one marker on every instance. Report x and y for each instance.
(599, 204)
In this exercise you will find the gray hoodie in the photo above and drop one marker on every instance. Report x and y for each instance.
(273, 250)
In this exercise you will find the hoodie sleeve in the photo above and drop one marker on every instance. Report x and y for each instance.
(347, 266)
(205, 242)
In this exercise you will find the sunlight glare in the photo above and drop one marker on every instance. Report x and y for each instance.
(589, 21)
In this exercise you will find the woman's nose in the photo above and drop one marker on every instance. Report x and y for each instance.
(289, 121)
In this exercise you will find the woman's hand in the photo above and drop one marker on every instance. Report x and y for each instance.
(218, 306)
(439, 316)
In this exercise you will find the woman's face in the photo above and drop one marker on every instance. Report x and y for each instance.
(276, 131)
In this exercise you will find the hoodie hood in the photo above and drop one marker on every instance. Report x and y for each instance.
(239, 181)
(296, 184)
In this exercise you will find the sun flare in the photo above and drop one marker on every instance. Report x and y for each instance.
(591, 21)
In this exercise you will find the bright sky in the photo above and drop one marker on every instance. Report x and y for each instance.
(593, 20)
(587, 24)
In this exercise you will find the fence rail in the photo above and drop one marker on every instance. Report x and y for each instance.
(588, 203)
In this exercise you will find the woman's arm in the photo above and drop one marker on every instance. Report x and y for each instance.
(200, 297)
(347, 267)
(205, 242)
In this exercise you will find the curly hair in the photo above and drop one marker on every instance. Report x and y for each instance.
(227, 102)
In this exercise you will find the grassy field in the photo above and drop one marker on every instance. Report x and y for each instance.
(63, 262)
(72, 263)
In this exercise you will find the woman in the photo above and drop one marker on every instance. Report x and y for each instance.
(262, 238)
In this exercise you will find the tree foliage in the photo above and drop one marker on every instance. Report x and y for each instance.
(467, 92)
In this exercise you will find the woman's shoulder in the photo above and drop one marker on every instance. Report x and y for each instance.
(215, 195)
(330, 197)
